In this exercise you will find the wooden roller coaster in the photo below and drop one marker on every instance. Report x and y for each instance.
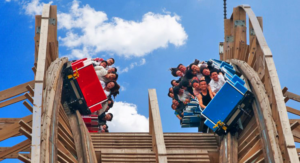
(57, 135)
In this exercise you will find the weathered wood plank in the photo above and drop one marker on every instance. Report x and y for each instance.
(12, 101)
(157, 132)
(39, 86)
(13, 129)
(14, 91)
(16, 148)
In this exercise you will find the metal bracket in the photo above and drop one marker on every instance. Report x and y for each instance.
(38, 30)
(239, 23)
(52, 21)
(252, 33)
(229, 38)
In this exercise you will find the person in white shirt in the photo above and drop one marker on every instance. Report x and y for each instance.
(103, 74)
(108, 86)
(217, 81)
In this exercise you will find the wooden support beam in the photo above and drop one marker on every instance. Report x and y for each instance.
(292, 110)
(25, 133)
(157, 133)
(228, 39)
(19, 147)
(292, 96)
(261, 109)
(39, 85)
(9, 120)
(252, 58)
(13, 129)
(29, 97)
(28, 106)
(284, 90)
(286, 99)
(270, 65)
(34, 70)
(61, 149)
(14, 91)
(12, 101)
(24, 158)
(25, 125)
(30, 89)
(294, 125)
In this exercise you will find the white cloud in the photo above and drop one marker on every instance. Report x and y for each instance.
(87, 28)
(131, 66)
(35, 7)
(7, 0)
(123, 88)
(127, 119)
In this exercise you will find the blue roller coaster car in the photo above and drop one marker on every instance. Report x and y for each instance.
(223, 111)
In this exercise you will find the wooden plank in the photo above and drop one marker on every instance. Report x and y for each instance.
(12, 101)
(286, 131)
(29, 97)
(260, 57)
(284, 90)
(51, 112)
(25, 133)
(294, 125)
(28, 106)
(292, 110)
(34, 70)
(262, 112)
(9, 120)
(227, 33)
(14, 91)
(256, 148)
(16, 148)
(252, 58)
(292, 96)
(157, 127)
(30, 89)
(39, 85)
(76, 136)
(90, 155)
(14, 155)
(24, 158)
(13, 129)
(66, 154)
(25, 125)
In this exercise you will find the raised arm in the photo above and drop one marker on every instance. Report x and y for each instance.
(199, 97)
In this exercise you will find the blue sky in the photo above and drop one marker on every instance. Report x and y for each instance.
(146, 38)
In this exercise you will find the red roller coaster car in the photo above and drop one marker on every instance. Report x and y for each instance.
(82, 89)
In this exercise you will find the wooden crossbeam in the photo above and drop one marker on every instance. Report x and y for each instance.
(294, 125)
(30, 89)
(292, 96)
(62, 150)
(13, 129)
(19, 147)
(12, 101)
(25, 133)
(157, 133)
(24, 158)
(29, 97)
(14, 91)
(25, 125)
(292, 110)
(28, 106)
(9, 120)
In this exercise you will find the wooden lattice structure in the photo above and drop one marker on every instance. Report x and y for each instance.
(57, 135)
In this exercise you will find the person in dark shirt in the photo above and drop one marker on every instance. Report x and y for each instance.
(104, 117)
(206, 73)
(174, 83)
(202, 92)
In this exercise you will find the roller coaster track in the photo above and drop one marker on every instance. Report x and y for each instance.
(61, 136)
